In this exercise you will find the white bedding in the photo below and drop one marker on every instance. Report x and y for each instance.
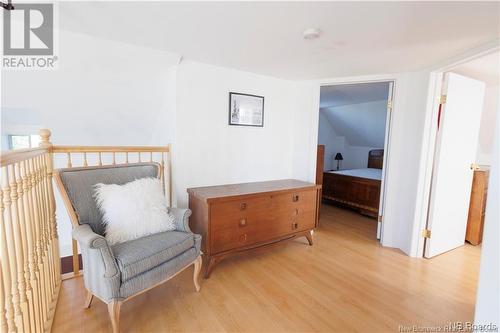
(368, 173)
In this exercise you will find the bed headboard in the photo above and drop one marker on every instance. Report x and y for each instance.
(376, 158)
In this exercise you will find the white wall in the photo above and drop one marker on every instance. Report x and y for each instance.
(208, 151)
(355, 157)
(103, 93)
(488, 121)
(402, 205)
(488, 292)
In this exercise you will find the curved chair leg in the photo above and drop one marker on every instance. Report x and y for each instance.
(114, 315)
(197, 269)
(88, 299)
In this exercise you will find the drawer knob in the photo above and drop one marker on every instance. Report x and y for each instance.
(243, 222)
(243, 206)
(296, 211)
(243, 238)
(295, 225)
(295, 198)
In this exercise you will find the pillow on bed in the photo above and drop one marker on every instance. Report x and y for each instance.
(133, 210)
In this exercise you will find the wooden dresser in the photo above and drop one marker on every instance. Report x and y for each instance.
(477, 207)
(239, 217)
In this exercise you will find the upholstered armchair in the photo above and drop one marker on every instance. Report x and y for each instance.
(114, 274)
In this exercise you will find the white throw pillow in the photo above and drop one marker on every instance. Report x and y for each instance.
(133, 210)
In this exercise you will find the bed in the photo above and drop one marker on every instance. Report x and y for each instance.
(358, 189)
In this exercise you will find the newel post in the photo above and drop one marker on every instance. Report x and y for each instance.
(45, 139)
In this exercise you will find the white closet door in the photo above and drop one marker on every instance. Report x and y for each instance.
(456, 147)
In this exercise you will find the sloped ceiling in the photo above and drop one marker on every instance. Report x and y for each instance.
(358, 38)
(357, 112)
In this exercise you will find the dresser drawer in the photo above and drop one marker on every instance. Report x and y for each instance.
(297, 219)
(229, 214)
(232, 238)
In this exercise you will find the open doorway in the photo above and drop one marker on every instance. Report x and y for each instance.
(464, 138)
(354, 127)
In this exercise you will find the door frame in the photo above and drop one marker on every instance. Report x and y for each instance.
(387, 134)
(430, 135)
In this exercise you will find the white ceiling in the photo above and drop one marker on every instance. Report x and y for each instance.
(358, 38)
(486, 69)
(345, 94)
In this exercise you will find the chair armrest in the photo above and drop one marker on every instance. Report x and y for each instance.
(88, 239)
(181, 218)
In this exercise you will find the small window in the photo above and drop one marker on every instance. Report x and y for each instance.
(24, 141)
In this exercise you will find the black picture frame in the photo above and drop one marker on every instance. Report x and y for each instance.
(233, 121)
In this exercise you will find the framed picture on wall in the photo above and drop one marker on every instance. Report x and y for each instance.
(246, 110)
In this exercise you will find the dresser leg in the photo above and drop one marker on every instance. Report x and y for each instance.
(210, 266)
(309, 237)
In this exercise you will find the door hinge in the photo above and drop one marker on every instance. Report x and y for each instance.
(380, 218)
(474, 166)
(389, 105)
(426, 233)
(442, 99)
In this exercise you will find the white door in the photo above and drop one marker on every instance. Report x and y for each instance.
(456, 146)
(386, 156)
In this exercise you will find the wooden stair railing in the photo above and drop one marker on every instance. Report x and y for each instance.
(29, 251)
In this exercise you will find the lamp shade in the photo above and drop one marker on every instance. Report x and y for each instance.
(339, 157)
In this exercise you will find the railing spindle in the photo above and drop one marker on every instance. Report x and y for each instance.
(24, 245)
(162, 171)
(169, 179)
(8, 285)
(3, 313)
(69, 160)
(11, 251)
(17, 220)
(32, 261)
(40, 269)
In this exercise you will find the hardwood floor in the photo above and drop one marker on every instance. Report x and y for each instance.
(345, 282)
